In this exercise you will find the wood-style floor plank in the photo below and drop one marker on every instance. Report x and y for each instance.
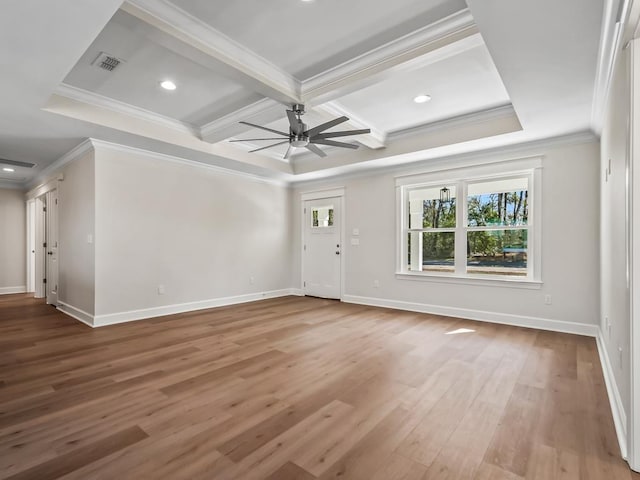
(299, 388)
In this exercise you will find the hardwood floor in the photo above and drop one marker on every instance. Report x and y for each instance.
(298, 388)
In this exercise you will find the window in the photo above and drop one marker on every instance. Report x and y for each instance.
(472, 227)
(322, 217)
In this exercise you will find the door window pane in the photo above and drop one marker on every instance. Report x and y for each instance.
(497, 252)
(322, 217)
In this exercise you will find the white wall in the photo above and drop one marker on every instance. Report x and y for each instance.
(200, 233)
(570, 246)
(76, 220)
(614, 230)
(13, 227)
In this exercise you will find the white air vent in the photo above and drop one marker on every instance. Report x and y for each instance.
(107, 62)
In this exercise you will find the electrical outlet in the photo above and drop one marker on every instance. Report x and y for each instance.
(252, 280)
(160, 289)
(547, 299)
(376, 284)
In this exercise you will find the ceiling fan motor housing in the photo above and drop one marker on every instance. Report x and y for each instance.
(300, 140)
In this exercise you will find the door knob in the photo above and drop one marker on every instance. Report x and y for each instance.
(337, 253)
(49, 253)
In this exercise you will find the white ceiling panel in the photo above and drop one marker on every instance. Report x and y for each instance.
(459, 84)
(201, 93)
(306, 38)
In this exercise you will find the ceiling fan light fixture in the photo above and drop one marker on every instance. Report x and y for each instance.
(168, 85)
(422, 98)
(299, 141)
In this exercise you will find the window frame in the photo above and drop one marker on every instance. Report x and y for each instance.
(462, 178)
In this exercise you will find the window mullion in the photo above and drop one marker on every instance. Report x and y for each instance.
(461, 234)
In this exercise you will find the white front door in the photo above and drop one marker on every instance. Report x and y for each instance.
(322, 251)
(51, 216)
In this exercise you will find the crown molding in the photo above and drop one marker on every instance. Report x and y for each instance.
(418, 43)
(50, 171)
(180, 24)
(615, 16)
(85, 96)
(532, 148)
(102, 144)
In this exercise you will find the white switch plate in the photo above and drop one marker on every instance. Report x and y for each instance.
(356, 232)
(160, 289)
(355, 241)
(89, 238)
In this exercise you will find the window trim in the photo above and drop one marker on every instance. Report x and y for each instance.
(462, 177)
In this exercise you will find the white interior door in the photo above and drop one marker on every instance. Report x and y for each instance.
(31, 246)
(51, 286)
(322, 250)
(40, 267)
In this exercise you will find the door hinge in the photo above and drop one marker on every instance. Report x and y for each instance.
(305, 248)
(44, 209)
(56, 201)
(44, 280)
(304, 284)
(44, 244)
(305, 210)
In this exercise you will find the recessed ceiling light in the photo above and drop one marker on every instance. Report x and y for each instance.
(6, 169)
(422, 98)
(168, 85)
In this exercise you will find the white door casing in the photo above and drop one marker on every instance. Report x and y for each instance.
(51, 286)
(322, 247)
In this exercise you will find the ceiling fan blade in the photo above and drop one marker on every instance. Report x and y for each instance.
(326, 126)
(343, 134)
(269, 146)
(322, 141)
(311, 147)
(289, 152)
(293, 122)
(265, 128)
(254, 139)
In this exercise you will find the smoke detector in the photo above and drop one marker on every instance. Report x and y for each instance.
(107, 61)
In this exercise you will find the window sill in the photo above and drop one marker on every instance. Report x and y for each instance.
(470, 280)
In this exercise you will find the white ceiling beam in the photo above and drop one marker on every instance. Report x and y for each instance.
(374, 140)
(377, 64)
(262, 112)
(233, 59)
(426, 45)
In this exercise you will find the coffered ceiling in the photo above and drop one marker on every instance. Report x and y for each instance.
(498, 72)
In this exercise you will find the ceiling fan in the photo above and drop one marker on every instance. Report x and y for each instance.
(300, 136)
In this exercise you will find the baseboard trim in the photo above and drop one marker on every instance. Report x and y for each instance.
(133, 315)
(76, 313)
(479, 315)
(617, 409)
(10, 290)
